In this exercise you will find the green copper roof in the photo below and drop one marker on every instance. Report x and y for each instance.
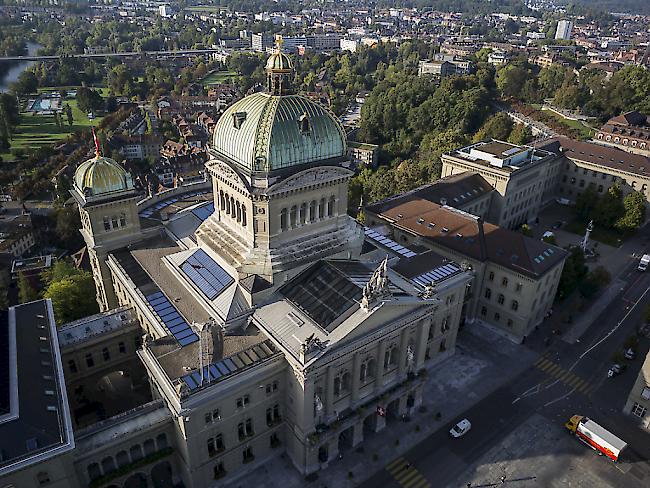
(279, 62)
(263, 133)
(101, 175)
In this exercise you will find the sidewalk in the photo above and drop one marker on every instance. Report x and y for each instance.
(483, 362)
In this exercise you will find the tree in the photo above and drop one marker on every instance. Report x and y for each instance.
(89, 100)
(587, 201)
(510, 80)
(594, 281)
(634, 216)
(72, 292)
(499, 126)
(68, 113)
(573, 272)
(609, 208)
(26, 83)
(68, 223)
(26, 291)
(520, 135)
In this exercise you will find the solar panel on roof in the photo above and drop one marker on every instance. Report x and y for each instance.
(214, 372)
(232, 366)
(206, 274)
(188, 340)
(190, 382)
(222, 368)
(238, 362)
(153, 296)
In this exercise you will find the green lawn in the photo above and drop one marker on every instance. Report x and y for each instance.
(585, 132)
(35, 130)
(605, 236)
(218, 77)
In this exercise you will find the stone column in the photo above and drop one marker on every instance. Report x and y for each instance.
(329, 392)
(379, 381)
(356, 371)
(422, 334)
(404, 341)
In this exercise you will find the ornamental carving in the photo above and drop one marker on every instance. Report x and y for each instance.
(227, 173)
(310, 177)
(377, 286)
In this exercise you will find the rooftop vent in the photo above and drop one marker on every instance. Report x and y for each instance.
(431, 225)
(459, 235)
(420, 220)
(399, 216)
(444, 230)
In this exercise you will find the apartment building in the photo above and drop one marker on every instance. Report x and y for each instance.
(638, 401)
(630, 132)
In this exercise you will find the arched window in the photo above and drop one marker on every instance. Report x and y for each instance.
(394, 356)
(337, 386)
(122, 459)
(222, 201)
(238, 206)
(243, 216)
(136, 452)
(232, 207)
(108, 465)
(161, 441)
(149, 447)
(303, 213)
(515, 305)
(345, 381)
(292, 216)
(283, 219)
(370, 370)
(330, 206)
(321, 209)
(312, 211)
(227, 204)
(363, 372)
(93, 471)
(501, 299)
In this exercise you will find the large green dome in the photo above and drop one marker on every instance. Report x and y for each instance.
(100, 176)
(265, 133)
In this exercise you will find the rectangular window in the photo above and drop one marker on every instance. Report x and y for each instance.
(122, 348)
(107, 223)
(114, 221)
(219, 471)
(90, 362)
(248, 455)
(639, 410)
(122, 220)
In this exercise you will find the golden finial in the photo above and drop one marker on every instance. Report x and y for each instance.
(278, 43)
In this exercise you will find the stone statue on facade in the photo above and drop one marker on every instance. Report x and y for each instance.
(377, 286)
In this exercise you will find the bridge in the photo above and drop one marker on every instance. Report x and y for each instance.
(167, 54)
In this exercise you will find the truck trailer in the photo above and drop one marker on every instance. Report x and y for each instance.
(596, 437)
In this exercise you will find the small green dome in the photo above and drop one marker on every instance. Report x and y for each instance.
(100, 175)
(264, 133)
(279, 61)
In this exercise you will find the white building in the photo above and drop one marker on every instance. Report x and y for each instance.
(563, 30)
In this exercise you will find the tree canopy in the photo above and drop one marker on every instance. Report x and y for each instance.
(72, 292)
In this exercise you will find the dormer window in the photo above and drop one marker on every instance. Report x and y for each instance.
(238, 119)
(305, 126)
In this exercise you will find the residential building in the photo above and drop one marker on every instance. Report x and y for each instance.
(362, 154)
(630, 132)
(145, 146)
(563, 30)
(349, 45)
(498, 58)
(439, 69)
(17, 236)
(262, 42)
(515, 277)
(638, 401)
(525, 178)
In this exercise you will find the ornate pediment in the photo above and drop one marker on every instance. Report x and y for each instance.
(218, 168)
(310, 177)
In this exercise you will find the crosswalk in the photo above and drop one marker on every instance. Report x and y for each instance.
(567, 377)
(406, 475)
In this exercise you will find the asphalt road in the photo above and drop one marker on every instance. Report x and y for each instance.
(567, 379)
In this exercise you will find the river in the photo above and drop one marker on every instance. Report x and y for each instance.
(18, 67)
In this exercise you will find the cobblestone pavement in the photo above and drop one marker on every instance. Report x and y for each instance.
(483, 362)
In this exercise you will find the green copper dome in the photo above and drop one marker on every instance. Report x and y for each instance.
(100, 175)
(265, 133)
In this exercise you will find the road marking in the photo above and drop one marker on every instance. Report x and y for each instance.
(406, 475)
(561, 375)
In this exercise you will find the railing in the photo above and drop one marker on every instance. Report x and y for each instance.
(116, 419)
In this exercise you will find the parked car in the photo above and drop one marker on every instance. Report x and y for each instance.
(460, 429)
(615, 370)
(630, 353)
(558, 224)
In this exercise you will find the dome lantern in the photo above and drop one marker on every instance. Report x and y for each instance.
(279, 69)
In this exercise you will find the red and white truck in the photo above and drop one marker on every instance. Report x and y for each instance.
(596, 437)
